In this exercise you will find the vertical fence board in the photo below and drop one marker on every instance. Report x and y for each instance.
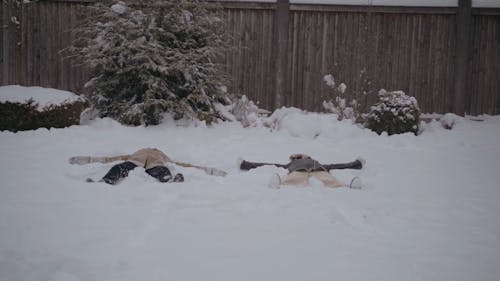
(485, 76)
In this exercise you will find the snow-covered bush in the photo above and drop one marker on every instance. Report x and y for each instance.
(30, 108)
(150, 57)
(17, 116)
(394, 113)
(344, 106)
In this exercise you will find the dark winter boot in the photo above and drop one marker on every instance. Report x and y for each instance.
(118, 171)
(160, 173)
(178, 178)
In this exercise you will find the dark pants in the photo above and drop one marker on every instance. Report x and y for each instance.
(120, 171)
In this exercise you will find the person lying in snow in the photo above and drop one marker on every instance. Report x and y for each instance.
(151, 159)
(302, 167)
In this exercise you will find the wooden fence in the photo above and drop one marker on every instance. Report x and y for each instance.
(31, 48)
(284, 51)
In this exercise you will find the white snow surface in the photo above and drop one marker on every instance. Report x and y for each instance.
(43, 97)
(428, 209)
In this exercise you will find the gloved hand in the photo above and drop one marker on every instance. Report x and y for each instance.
(215, 172)
(80, 160)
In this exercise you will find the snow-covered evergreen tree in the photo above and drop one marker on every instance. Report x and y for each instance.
(152, 56)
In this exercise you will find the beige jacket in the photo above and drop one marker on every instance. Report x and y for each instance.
(148, 158)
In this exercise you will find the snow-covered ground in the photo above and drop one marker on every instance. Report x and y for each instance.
(429, 209)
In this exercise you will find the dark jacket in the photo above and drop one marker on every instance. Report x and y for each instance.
(306, 165)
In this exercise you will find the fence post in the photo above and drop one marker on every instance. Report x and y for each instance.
(462, 54)
(282, 18)
(1, 43)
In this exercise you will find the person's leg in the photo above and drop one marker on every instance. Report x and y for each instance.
(296, 178)
(163, 174)
(328, 180)
(118, 171)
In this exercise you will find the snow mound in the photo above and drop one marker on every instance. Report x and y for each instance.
(449, 120)
(310, 125)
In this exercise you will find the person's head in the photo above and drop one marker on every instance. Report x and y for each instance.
(298, 156)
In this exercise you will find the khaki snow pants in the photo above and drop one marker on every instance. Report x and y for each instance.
(302, 178)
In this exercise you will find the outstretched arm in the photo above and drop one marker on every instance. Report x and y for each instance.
(246, 165)
(357, 164)
(82, 160)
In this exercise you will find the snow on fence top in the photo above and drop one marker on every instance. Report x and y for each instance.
(404, 3)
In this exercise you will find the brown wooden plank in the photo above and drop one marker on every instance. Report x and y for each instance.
(496, 66)
(2, 42)
(234, 53)
(413, 55)
(404, 61)
(450, 68)
(7, 42)
(321, 56)
(43, 44)
(238, 52)
(57, 28)
(73, 81)
(315, 66)
(418, 61)
(394, 54)
(307, 96)
(294, 68)
(25, 57)
(52, 33)
(63, 30)
(470, 100)
(437, 97)
(493, 68)
(15, 44)
(252, 55)
(293, 61)
(482, 67)
(430, 65)
(261, 37)
(324, 62)
(36, 44)
(298, 63)
(262, 68)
